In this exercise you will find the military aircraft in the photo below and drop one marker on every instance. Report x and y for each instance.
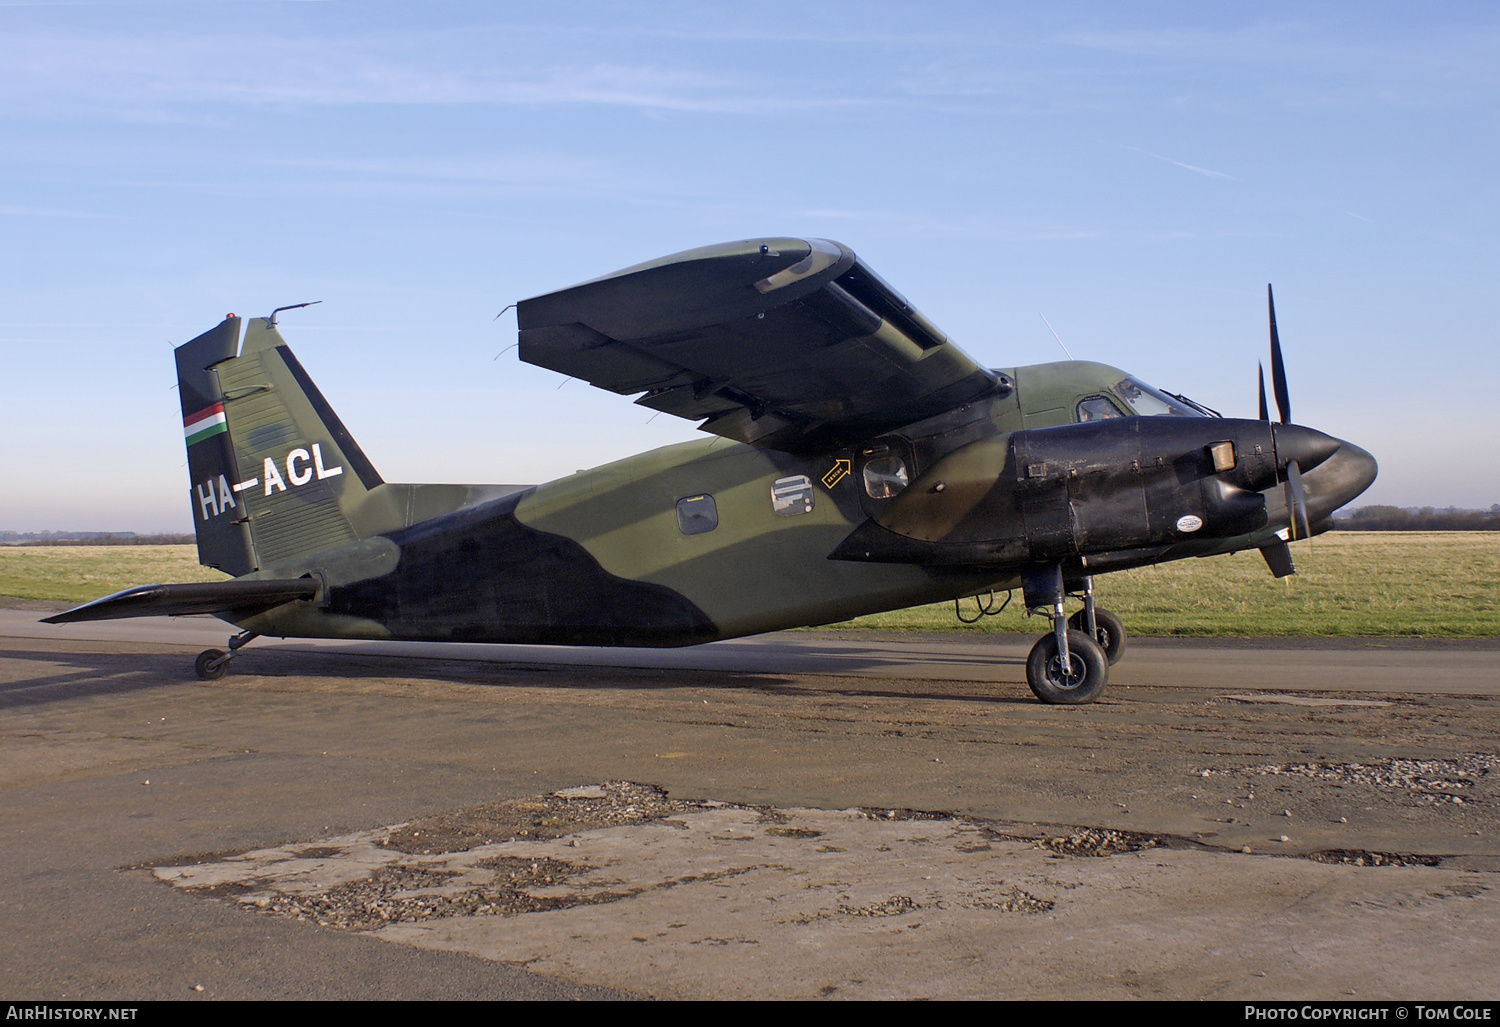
(855, 460)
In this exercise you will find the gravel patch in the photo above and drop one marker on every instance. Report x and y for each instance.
(1361, 858)
(540, 818)
(1431, 781)
(896, 905)
(1016, 900)
(1098, 842)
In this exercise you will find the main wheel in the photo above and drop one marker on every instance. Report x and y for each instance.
(1088, 670)
(207, 669)
(1109, 631)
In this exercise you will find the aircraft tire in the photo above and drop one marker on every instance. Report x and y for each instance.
(1044, 670)
(1111, 633)
(203, 665)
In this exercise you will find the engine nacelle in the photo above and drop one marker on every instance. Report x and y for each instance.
(1046, 494)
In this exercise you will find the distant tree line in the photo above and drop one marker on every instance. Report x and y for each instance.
(1427, 518)
(92, 538)
(1365, 518)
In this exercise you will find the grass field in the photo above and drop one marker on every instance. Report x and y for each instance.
(77, 574)
(1434, 584)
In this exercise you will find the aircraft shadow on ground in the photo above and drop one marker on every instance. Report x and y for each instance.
(85, 675)
(590, 676)
(93, 674)
(569, 676)
(822, 659)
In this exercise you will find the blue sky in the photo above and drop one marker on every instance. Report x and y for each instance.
(1135, 172)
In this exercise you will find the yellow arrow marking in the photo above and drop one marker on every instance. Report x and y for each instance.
(837, 473)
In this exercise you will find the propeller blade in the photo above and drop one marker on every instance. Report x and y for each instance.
(1260, 373)
(1296, 502)
(1278, 369)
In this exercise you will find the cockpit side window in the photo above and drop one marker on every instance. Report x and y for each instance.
(885, 476)
(884, 466)
(1149, 402)
(1097, 408)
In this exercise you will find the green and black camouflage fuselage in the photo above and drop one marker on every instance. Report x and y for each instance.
(858, 462)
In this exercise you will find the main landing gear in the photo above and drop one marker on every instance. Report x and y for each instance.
(1106, 628)
(1071, 664)
(212, 664)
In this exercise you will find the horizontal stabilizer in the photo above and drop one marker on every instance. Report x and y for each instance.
(244, 598)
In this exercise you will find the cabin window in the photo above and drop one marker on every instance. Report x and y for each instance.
(697, 514)
(1097, 408)
(885, 476)
(792, 496)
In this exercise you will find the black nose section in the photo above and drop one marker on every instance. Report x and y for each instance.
(1305, 445)
(1338, 480)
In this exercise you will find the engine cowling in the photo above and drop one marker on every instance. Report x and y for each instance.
(1046, 494)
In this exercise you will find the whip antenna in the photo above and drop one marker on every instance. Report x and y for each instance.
(1054, 333)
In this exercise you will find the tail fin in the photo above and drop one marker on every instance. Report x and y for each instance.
(274, 470)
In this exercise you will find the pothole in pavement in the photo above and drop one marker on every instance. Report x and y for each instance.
(603, 843)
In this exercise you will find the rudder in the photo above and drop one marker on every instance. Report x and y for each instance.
(218, 520)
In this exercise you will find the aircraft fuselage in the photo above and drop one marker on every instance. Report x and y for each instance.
(714, 539)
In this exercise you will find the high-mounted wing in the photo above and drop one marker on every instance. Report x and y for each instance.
(786, 343)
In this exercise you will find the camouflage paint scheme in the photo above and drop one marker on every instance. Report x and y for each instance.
(803, 363)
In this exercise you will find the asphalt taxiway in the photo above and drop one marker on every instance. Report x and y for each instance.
(1409, 665)
(878, 802)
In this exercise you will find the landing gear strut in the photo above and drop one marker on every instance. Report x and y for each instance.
(212, 664)
(1105, 628)
(1067, 665)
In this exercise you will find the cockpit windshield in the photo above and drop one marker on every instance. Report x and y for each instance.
(1151, 402)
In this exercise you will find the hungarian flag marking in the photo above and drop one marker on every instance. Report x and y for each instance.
(205, 424)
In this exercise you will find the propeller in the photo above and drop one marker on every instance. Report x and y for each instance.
(1278, 557)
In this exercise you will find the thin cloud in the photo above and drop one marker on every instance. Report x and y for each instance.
(499, 169)
(1359, 217)
(62, 71)
(1209, 172)
(46, 212)
(1357, 61)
